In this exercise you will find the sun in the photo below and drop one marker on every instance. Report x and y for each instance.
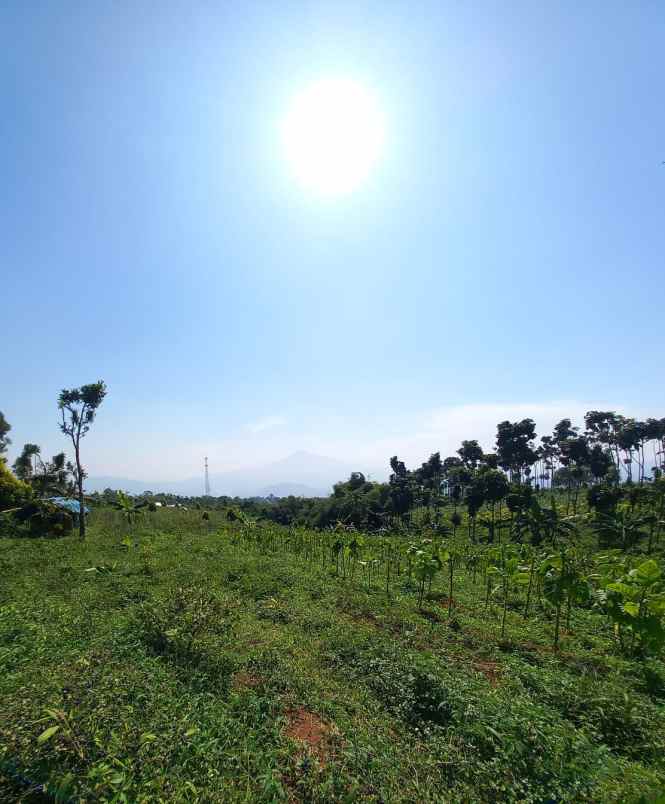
(333, 135)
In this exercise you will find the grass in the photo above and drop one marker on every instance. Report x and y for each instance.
(189, 667)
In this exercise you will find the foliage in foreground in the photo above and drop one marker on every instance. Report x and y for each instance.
(174, 657)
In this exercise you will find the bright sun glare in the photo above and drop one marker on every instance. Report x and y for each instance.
(333, 135)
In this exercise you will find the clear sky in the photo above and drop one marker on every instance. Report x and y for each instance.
(505, 255)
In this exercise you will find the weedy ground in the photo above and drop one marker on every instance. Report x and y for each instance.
(185, 667)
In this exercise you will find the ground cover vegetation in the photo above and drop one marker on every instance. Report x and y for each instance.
(483, 628)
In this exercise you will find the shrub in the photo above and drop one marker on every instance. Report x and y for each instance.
(45, 519)
(608, 711)
(191, 628)
(13, 492)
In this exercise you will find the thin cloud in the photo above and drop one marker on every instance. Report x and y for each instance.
(414, 437)
(365, 442)
(265, 424)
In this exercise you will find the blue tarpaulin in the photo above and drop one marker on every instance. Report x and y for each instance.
(69, 505)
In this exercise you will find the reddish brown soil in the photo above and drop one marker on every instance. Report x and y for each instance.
(308, 729)
(489, 669)
(443, 601)
(245, 681)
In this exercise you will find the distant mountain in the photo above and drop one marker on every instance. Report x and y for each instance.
(292, 490)
(302, 473)
(119, 483)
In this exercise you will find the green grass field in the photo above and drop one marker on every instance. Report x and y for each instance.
(189, 664)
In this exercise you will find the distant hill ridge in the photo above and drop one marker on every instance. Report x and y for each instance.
(301, 474)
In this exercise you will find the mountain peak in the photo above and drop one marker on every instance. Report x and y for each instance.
(310, 458)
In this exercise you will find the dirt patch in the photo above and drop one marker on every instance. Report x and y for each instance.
(243, 680)
(444, 601)
(489, 669)
(365, 617)
(368, 618)
(310, 731)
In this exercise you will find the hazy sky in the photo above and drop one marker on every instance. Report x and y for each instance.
(505, 257)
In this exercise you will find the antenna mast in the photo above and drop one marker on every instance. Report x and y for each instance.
(207, 479)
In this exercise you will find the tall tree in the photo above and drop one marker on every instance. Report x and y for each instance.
(401, 488)
(457, 477)
(601, 428)
(655, 433)
(628, 439)
(600, 462)
(514, 446)
(495, 488)
(5, 427)
(548, 452)
(642, 436)
(45, 477)
(563, 431)
(471, 454)
(78, 407)
(429, 476)
(25, 466)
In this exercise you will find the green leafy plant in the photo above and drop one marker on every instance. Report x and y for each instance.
(623, 527)
(129, 510)
(427, 565)
(636, 604)
(505, 566)
(562, 584)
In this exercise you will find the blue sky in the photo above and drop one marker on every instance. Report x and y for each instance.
(505, 255)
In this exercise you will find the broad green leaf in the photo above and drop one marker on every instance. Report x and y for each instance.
(622, 589)
(648, 572)
(52, 713)
(47, 734)
(657, 606)
(631, 608)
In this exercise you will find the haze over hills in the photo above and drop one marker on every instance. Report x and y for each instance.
(302, 474)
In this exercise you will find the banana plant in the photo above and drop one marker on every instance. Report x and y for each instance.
(537, 523)
(128, 509)
(623, 527)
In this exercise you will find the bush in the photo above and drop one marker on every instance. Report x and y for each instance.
(508, 747)
(13, 492)
(191, 628)
(45, 519)
(607, 710)
(405, 685)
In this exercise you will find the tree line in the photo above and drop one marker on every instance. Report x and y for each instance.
(611, 451)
